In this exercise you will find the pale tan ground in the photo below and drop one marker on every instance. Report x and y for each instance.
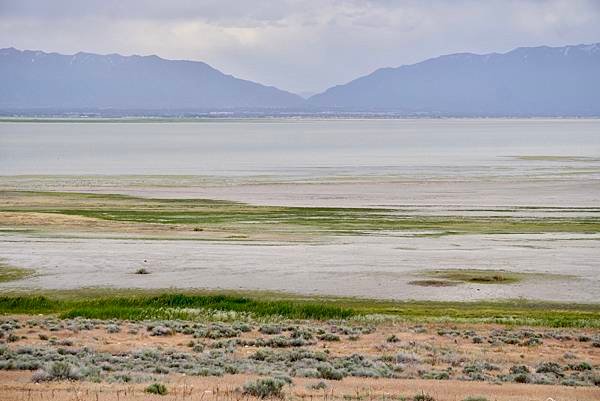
(15, 386)
(79, 226)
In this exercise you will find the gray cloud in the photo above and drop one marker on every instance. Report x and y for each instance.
(296, 45)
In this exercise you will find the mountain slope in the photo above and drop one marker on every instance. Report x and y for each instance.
(525, 81)
(34, 79)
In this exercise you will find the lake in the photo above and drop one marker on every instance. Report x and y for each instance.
(459, 167)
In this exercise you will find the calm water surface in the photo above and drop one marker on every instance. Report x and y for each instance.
(296, 148)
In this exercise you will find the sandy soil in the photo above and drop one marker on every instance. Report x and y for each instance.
(14, 387)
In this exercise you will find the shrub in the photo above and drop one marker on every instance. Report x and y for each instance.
(40, 375)
(522, 378)
(436, 375)
(208, 372)
(581, 366)
(217, 331)
(241, 326)
(302, 334)
(549, 367)
(317, 386)
(423, 397)
(231, 369)
(12, 337)
(270, 329)
(57, 371)
(392, 339)
(264, 388)
(329, 337)
(477, 398)
(122, 378)
(262, 354)
(161, 331)
(142, 270)
(407, 357)
(329, 373)
(519, 369)
(156, 388)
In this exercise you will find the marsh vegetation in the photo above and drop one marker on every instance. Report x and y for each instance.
(205, 218)
(12, 273)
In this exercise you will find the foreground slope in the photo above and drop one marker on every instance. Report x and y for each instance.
(34, 79)
(525, 81)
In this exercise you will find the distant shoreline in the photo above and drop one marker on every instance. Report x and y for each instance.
(261, 118)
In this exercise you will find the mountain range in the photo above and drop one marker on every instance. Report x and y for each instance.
(528, 81)
(38, 80)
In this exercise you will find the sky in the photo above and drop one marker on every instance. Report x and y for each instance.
(300, 46)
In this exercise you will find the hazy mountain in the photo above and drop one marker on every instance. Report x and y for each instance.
(34, 79)
(525, 81)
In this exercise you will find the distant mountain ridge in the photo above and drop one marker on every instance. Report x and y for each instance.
(35, 79)
(526, 81)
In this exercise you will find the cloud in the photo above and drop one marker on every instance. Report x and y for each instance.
(296, 45)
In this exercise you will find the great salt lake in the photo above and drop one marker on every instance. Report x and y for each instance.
(443, 166)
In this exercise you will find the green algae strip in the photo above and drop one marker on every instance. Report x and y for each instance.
(454, 277)
(557, 158)
(480, 276)
(242, 219)
(11, 273)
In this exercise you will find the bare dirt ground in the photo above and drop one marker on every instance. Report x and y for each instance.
(14, 387)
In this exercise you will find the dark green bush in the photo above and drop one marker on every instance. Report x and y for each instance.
(157, 388)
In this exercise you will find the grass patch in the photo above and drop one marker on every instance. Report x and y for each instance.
(448, 277)
(142, 305)
(477, 276)
(11, 273)
(244, 219)
(433, 283)
(171, 306)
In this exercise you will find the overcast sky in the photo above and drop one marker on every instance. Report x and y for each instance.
(296, 45)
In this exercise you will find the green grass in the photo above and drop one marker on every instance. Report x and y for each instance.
(141, 305)
(11, 273)
(244, 218)
(477, 276)
(172, 306)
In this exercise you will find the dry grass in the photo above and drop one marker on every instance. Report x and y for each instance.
(13, 387)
